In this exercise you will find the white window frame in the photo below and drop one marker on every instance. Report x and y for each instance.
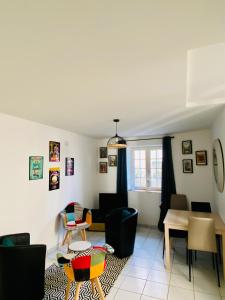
(131, 168)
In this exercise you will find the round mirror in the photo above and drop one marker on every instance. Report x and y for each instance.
(218, 164)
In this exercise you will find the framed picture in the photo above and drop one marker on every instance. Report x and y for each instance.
(54, 178)
(103, 152)
(187, 147)
(201, 157)
(69, 166)
(36, 167)
(112, 160)
(54, 151)
(103, 167)
(187, 166)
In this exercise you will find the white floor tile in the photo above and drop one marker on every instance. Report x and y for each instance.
(181, 281)
(158, 276)
(143, 297)
(176, 293)
(137, 272)
(112, 293)
(122, 295)
(156, 290)
(206, 284)
(120, 279)
(133, 284)
(203, 296)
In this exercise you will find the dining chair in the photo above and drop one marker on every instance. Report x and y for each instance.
(179, 202)
(202, 237)
(206, 207)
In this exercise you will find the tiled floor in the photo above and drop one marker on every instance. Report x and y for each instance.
(144, 277)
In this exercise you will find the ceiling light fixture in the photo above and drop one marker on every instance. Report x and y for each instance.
(116, 141)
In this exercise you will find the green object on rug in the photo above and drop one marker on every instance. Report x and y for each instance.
(56, 280)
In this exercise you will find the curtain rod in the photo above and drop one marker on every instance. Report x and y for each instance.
(159, 138)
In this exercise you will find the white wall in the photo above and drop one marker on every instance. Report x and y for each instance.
(28, 206)
(219, 132)
(197, 186)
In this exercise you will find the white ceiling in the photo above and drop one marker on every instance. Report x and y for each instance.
(79, 64)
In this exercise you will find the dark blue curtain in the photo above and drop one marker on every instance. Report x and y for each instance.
(168, 180)
(122, 175)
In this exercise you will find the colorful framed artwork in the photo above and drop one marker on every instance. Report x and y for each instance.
(187, 147)
(187, 166)
(54, 178)
(54, 151)
(69, 165)
(201, 157)
(103, 167)
(103, 152)
(112, 160)
(36, 167)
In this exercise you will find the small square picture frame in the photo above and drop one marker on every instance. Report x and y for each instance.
(201, 157)
(187, 166)
(112, 160)
(103, 167)
(187, 147)
(103, 152)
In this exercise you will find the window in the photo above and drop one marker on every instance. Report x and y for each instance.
(145, 168)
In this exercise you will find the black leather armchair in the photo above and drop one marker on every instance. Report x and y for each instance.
(22, 269)
(120, 230)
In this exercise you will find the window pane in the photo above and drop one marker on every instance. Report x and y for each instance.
(137, 182)
(137, 172)
(159, 154)
(159, 164)
(142, 152)
(137, 163)
(153, 163)
(142, 164)
(143, 182)
(153, 154)
(143, 173)
(136, 154)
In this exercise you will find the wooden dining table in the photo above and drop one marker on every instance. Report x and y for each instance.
(178, 219)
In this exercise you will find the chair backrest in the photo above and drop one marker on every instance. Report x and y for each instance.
(201, 206)
(21, 265)
(178, 201)
(73, 212)
(86, 267)
(201, 234)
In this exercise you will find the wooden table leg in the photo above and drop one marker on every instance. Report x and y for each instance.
(223, 258)
(167, 247)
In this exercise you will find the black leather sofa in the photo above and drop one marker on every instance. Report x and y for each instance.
(22, 269)
(120, 230)
(107, 202)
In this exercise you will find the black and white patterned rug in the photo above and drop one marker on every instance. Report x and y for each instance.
(56, 280)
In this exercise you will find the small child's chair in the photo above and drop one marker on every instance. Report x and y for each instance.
(75, 218)
(84, 268)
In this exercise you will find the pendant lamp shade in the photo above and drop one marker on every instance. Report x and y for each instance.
(116, 142)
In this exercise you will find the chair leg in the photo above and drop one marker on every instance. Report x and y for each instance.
(219, 247)
(163, 246)
(217, 269)
(99, 288)
(65, 238)
(213, 262)
(187, 260)
(189, 263)
(92, 286)
(67, 290)
(78, 286)
(195, 255)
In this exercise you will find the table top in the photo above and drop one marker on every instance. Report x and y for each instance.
(178, 219)
(80, 246)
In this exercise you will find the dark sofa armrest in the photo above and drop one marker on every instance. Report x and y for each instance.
(19, 239)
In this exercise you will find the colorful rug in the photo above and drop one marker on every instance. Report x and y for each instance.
(56, 280)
